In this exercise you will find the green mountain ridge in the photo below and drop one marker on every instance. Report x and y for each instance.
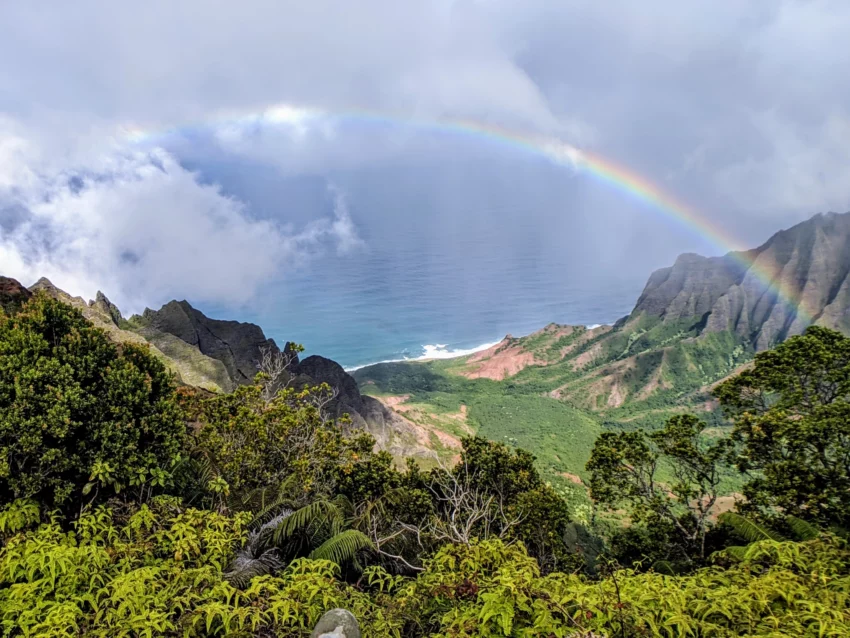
(218, 356)
(695, 323)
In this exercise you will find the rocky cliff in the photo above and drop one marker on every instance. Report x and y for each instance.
(238, 346)
(696, 322)
(12, 295)
(797, 277)
(219, 355)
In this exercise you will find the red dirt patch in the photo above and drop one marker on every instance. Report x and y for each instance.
(395, 402)
(571, 477)
(422, 432)
(587, 356)
(498, 362)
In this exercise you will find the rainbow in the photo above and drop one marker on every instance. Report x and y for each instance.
(620, 177)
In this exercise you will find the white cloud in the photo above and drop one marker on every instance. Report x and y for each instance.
(342, 229)
(143, 229)
(737, 107)
(795, 172)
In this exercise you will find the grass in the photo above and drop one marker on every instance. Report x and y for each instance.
(560, 433)
(560, 436)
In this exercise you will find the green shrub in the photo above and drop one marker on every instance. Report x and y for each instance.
(160, 574)
(77, 409)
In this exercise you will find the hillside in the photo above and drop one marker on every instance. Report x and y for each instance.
(218, 356)
(554, 390)
(695, 323)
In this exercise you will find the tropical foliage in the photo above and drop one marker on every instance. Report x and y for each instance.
(159, 573)
(791, 413)
(79, 415)
(248, 443)
(625, 468)
(166, 512)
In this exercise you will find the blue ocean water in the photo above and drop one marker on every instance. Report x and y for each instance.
(453, 257)
(438, 276)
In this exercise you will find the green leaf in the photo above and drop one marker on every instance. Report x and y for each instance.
(747, 529)
(342, 547)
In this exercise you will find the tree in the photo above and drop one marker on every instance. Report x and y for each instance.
(624, 469)
(274, 367)
(288, 442)
(496, 492)
(78, 412)
(791, 415)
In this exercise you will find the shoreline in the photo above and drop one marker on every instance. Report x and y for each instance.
(433, 352)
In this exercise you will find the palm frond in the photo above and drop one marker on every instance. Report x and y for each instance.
(244, 567)
(256, 557)
(747, 529)
(343, 547)
(321, 511)
(801, 529)
(272, 509)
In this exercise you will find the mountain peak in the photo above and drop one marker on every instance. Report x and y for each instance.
(13, 294)
(799, 276)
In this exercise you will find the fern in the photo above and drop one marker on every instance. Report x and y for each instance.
(316, 513)
(736, 552)
(269, 512)
(747, 529)
(256, 557)
(801, 529)
(342, 547)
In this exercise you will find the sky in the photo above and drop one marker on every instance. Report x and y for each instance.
(206, 150)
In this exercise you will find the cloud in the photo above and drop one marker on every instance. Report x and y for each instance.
(794, 172)
(342, 229)
(144, 229)
(737, 108)
(166, 63)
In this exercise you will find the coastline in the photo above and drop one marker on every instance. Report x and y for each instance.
(433, 352)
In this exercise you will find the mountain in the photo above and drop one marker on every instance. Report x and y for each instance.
(219, 355)
(553, 391)
(695, 323)
(12, 295)
(809, 263)
(236, 346)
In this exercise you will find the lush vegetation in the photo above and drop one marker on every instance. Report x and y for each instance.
(791, 415)
(632, 377)
(176, 512)
(158, 572)
(79, 415)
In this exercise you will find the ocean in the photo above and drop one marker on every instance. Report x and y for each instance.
(441, 273)
(415, 292)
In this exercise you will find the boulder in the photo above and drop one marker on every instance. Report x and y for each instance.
(337, 623)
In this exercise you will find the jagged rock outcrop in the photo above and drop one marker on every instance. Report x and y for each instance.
(190, 365)
(323, 370)
(107, 308)
(391, 431)
(13, 295)
(220, 355)
(797, 277)
(235, 344)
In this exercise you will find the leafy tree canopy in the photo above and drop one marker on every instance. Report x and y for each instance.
(252, 443)
(791, 413)
(78, 413)
(624, 469)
